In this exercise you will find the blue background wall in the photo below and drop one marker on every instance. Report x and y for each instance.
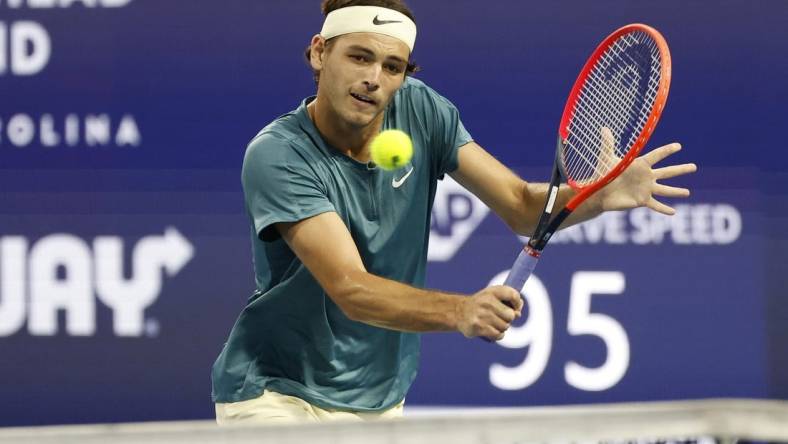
(120, 157)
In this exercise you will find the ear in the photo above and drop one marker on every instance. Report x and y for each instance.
(317, 51)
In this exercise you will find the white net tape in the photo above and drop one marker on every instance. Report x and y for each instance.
(644, 423)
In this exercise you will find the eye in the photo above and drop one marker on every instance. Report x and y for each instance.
(358, 58)
(394, 69)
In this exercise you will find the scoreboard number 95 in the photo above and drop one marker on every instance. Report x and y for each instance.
(536, 334)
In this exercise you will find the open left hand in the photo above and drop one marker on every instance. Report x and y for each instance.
(637, 186)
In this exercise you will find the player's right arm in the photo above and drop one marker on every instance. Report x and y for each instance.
(324, 245)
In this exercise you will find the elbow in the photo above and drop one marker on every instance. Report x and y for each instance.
(345, 292)
(350, 310)
(519, 226)
(355, 315)
(518, 219)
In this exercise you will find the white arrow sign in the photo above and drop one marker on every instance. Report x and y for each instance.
(128, 298)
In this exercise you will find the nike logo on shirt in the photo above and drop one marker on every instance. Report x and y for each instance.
(398, 183)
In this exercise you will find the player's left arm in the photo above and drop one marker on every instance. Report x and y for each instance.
(515, 201)
(519, 203)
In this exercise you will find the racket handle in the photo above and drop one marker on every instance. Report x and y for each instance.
(523, 268)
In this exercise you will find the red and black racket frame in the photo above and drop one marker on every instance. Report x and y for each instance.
(546, 227)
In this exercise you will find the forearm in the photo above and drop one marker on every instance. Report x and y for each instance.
(518, 203)
(384, 303)
(324, 245)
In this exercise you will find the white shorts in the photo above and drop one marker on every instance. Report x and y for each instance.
(276, 408)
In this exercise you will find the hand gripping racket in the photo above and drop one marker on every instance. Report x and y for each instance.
(611, 112)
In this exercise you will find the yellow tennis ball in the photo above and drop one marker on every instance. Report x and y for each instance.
(391, 149)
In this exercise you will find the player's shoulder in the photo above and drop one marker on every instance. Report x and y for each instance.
(412, 83)
(277, 139)
(413, 87)
(419, 94)
(280, 132)
(266, 154)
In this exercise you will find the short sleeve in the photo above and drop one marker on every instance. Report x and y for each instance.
(279, 186)
(447, 133)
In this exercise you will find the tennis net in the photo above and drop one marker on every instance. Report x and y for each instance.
(702, 421)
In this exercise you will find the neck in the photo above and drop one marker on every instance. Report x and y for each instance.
(352, 141)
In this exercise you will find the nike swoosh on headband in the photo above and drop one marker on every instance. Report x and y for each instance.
(398, 183)
(379, 22)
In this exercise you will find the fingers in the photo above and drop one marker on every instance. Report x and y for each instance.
(608, 142)
(512, 301)
(675, 170)
(490, 312)
(500, 325)
(666, 191)
(518, 305)
(493, 331)
(493, 334)
(607, 153)
(658, 154)
(659, 207)
(504, 312)
(509, 309)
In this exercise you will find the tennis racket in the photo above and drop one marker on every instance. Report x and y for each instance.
(611, 112)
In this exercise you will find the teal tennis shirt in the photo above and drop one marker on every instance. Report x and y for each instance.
(291, 338)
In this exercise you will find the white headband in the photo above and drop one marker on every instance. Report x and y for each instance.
(370, 19)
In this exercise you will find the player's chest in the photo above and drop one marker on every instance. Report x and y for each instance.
(378, 202)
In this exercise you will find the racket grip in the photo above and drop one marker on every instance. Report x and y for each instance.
(523, 268)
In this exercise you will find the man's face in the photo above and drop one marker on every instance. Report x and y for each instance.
(359, 74)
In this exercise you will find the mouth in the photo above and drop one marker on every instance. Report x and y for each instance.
(364, 99)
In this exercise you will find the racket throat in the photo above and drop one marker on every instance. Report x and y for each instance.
(531, 251)
(540, 239)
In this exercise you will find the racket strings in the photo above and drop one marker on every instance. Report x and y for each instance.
(589, 128)
(608, 155)
(653, 85)
(589, 133)
(612, 107)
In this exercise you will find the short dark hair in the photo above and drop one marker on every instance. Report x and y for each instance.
(332, 5)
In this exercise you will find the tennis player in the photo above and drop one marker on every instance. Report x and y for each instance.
(340, 245)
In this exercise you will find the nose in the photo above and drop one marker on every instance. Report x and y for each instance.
(372, 82)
